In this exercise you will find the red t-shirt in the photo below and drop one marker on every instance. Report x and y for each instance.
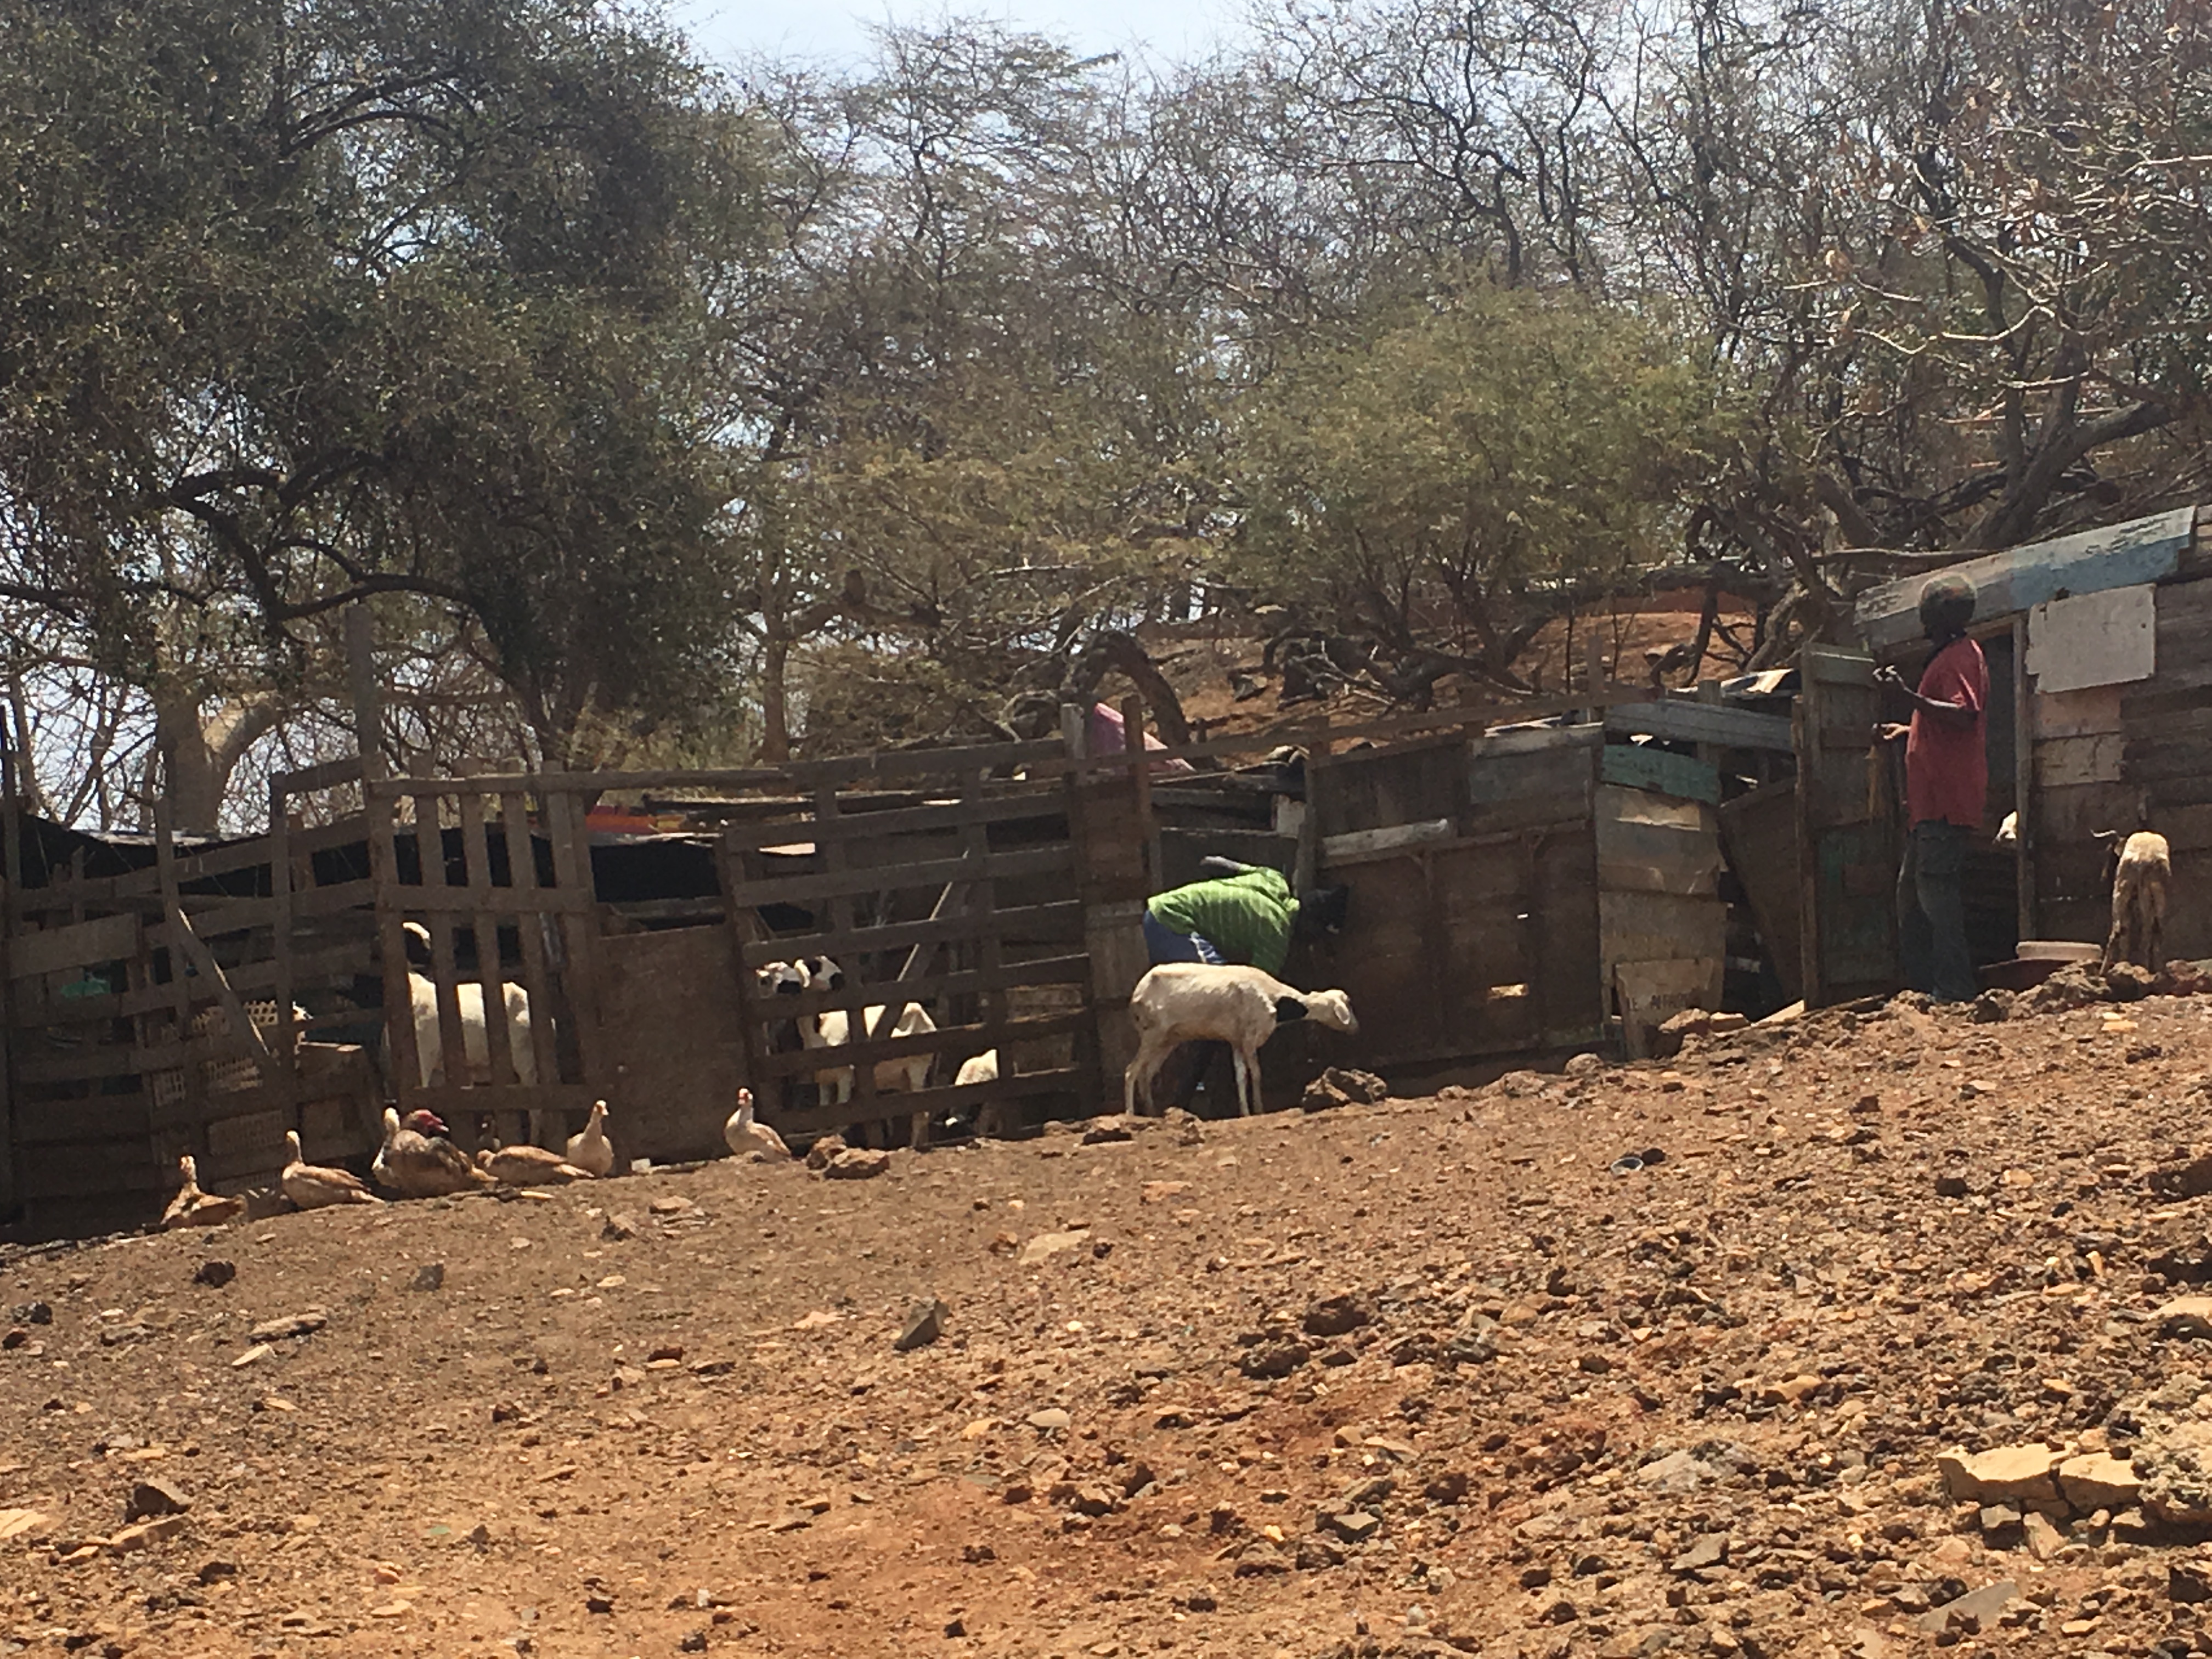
(1947, 767)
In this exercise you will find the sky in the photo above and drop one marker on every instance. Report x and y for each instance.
(836, 31)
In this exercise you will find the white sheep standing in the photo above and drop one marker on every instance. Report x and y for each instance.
(476, 1046)
(833, 1029)
(1179, 1002)
(2140, 878)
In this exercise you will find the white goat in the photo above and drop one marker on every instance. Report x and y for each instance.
(2144, 870)
(1183, 1002)
(476, 1046)
(834, 1029)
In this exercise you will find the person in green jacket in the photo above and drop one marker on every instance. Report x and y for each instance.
(1242, 916)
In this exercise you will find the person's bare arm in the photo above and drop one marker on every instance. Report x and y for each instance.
(1956, 715)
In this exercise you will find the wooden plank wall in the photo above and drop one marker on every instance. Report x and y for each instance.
(475, 891)
(972, 909)
(1478, 940)
(1847, 931)
(148, 1016)
(2165, 726)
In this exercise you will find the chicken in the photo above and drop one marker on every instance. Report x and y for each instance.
(529, 1166)
(417, 1161)
(311, 1187)
(191, 1207)
(745, 1135)
(589, 1149)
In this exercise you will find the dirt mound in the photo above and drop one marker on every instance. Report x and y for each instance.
(1424, 1377)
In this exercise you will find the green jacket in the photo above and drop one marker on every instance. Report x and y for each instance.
(1246, 917)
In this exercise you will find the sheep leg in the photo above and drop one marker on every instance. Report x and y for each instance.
(1244, 1072)
(1138, 1079)
(2117, 941)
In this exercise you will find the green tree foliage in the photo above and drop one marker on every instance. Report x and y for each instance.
(1457, 472)
(313, 300)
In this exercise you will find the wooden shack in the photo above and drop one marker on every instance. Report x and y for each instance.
(2100, 648)
(1515, 893)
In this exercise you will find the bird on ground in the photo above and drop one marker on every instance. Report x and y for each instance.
(589, 1150)
(745, 1133)
(312, 1187)
(417, 1161)
(529, 1166)
(191, 1207)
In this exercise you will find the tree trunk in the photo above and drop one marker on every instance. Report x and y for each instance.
(203, 751)
(775, 704)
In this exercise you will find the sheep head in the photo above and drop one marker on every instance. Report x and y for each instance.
(1332, 1009)
(786, 979)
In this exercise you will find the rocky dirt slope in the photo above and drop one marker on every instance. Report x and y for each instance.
(1417, 1377)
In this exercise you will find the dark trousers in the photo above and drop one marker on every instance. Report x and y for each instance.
(1931, 912)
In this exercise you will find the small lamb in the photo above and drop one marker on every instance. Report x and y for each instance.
(1188, 1001)
(2140, 876)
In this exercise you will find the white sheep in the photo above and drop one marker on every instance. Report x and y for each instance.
(2140, 876)
(834, 1029)
(476, 1046)
(1183, 1002)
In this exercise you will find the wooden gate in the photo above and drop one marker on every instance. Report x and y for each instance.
(501, 906)
(1846, 830)
(970, 907)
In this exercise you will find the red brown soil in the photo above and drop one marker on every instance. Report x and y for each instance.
(503, 1466)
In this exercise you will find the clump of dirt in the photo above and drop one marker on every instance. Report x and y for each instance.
(1733, 1353)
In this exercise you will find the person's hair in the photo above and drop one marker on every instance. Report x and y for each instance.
(1947, 604)
(1322, 910)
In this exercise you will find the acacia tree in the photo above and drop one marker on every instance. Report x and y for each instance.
(315, 300)
(1463, 468)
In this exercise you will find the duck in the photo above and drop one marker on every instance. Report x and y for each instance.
(312, 1186)
(191, 1207)
(417, 1161)
(747, 1134)
(529, 1166)
(589, 1150)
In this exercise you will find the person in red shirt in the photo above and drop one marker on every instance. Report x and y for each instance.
(1947, 780)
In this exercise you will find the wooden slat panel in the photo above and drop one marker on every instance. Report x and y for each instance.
(966, 981)
(1679, 720)
(864, 1056)
(70, 1122)
(430, 851)
(1038, 924)
(522, 867)
(936, 872)
(55, 950)
(334, 961)
(849, 825)
(476, 851)
(572, 873)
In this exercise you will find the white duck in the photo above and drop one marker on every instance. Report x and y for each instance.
(312, 1186)
(589, 1150)
(746, 1134)
(191, 1207)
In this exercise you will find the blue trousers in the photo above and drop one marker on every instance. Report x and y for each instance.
(1163, 943)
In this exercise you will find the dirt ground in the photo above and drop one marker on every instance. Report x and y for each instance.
(1421, 1378)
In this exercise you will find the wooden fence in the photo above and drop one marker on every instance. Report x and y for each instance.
(217, 995)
